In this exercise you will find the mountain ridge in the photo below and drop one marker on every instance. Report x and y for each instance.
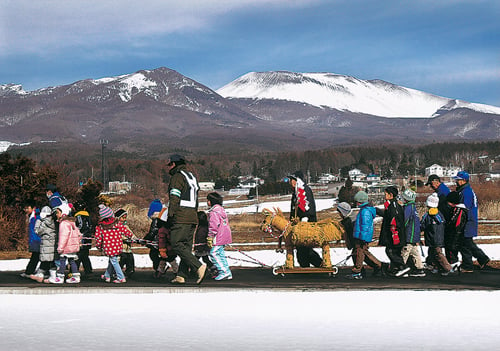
(162, 106)
(345, 93)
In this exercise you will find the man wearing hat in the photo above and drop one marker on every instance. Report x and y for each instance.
(183, 218)
(469, 199)
(303, 208)
(442, 191)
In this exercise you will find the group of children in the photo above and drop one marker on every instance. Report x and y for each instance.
(58, 239)
(61, 236)
(401, 234)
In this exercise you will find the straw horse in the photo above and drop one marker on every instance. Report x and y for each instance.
(311, 234)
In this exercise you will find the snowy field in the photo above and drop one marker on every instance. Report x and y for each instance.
(252, 320)
(209, 319)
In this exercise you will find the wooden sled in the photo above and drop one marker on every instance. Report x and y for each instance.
(282, 270)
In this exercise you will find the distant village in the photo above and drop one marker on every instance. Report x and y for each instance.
(329, 184)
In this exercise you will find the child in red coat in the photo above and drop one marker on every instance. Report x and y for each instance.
(108, 236)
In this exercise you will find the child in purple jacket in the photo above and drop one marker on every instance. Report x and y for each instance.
(219, 235)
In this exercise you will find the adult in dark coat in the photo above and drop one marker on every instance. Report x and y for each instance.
(303, 208)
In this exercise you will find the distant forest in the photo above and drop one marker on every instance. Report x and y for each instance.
(78, 163)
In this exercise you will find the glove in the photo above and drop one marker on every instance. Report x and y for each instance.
(304, 219)
(163, 253)
(210, 242)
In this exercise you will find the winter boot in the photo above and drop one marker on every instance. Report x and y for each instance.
(175, 266)
(59, 279)
(52, 274)
(75, 279)
(38, 276)
(162, 267)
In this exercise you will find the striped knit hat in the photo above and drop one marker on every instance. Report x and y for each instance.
(105, 212)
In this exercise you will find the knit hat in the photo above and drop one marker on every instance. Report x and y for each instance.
(409, 195)
(432, 200)
(155, 206)
(392, 190)
(120, 212)
(45, 212)
(105, 212)
(453, 197)
(344, 208)
(361, 197)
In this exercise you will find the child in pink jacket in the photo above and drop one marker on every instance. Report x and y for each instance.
(67, 247)
(219, 235)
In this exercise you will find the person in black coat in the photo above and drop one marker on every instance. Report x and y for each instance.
(392, 234)
(303, 208)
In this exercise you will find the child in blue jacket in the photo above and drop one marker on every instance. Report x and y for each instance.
(363, 236)
(33, 214)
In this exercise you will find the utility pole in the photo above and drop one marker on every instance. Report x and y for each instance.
(103, 142)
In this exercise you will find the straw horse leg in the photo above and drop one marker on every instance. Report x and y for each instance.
(327, 262)
(289, 263)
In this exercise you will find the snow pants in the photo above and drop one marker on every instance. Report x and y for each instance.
(218, 257)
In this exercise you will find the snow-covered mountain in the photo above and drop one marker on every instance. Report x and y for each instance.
(159, 109)
(345, 93)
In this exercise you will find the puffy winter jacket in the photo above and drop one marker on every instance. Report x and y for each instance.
(392, 226)
(363, 226)
(433, 226)
(455, 227)
(108, 237)
(218, 226)
(46, 228)
(412, 223)
(469, 199)
(69, 237)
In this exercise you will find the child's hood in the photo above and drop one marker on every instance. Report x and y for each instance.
(219, 210)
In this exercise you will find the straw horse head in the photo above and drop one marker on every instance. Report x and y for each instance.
(310, 234)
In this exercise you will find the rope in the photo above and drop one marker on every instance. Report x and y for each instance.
(255, 261)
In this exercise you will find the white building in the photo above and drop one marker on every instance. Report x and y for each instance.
(119, 187)
(326, 178)
(434, 169)
(206, 186)
(356, 174)
(441, 171)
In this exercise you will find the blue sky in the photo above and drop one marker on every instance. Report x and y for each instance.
(449, 48)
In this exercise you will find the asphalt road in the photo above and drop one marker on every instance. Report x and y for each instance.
(262, 278)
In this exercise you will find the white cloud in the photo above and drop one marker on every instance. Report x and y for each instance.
(45, 25)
